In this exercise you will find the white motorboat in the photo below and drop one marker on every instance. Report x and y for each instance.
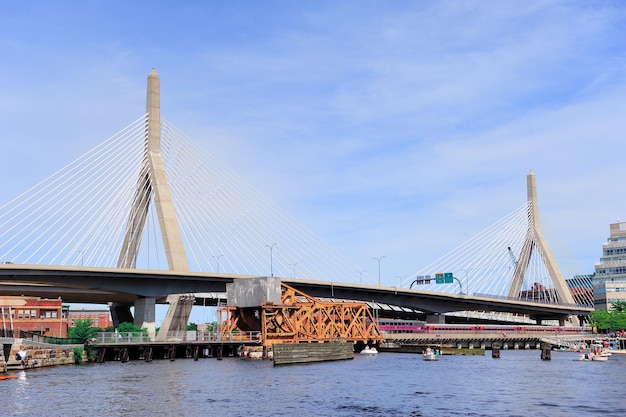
(593, 357)
(596, 353)
(430, 355)
(369, 351)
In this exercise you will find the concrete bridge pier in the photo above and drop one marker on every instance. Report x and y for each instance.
(145, 312)
(436, 318)
(177, 315)
(120, 313)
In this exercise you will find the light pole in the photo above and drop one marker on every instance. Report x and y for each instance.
(361, 275)
(379, 259)
(82, 253)
(401, 278)
(294, 268)
(271, 257)
(467, 270)
(217, 262)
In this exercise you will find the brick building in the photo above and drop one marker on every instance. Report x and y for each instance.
(32, 314)
(100, 318)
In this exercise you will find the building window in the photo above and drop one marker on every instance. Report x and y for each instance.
(51, 314)
(26, 314)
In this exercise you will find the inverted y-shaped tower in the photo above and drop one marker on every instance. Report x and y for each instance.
(153, 185)
(534, 240)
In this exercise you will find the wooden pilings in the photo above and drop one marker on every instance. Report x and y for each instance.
(495, 350)
(148, 352)
(546, 351)
(293, 353)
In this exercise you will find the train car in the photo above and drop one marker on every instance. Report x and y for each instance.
(392, 326)
(416, 326)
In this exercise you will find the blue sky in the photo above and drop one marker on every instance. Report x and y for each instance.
(397, 129)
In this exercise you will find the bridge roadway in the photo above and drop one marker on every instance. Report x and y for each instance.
(101, 285)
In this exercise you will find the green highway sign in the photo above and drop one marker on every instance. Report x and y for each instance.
(444, 278)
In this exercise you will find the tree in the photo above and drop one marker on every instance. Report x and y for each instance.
(212, 327)
(600, 319)
(619, 306)
(609, 320)
(130, 328)
(83, 330)
(192, 326)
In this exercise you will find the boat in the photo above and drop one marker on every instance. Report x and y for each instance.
(371, 351)
(3, 377)
(430, 355)
(596, 353)
(593, 357)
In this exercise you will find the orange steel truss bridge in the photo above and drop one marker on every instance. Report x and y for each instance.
(300, 318)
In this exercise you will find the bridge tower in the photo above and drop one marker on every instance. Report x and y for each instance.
(534, 241)
(152, 185)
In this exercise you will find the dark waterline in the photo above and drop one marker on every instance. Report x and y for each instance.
(517, 384)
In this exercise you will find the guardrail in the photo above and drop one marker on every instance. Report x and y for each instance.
(36, 337)
(535, 301)
(175, 336)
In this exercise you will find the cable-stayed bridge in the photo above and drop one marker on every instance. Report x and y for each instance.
(518, 257)
(148, 198)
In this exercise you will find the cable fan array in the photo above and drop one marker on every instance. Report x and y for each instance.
(486, 264)
(79, 215)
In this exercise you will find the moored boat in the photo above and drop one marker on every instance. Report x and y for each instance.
(369, 351)
(596, 353)
(430, 355)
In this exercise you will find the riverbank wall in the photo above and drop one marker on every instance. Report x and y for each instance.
(37, 354)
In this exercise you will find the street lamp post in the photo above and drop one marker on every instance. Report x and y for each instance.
(401, 278)
(217, 262)
(379, 259)
(271, 257)
(467, 270)
(294, 268)
(361, 275)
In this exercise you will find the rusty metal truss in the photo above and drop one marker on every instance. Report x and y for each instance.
(300, 318)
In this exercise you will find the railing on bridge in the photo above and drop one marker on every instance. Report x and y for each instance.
(37, 337)
(177, 336)
(534, 300)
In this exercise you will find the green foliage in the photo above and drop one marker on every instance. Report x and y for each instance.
(83, 330)
(212, 327)
(92, 353)
(192, 326)
(109, 329)
(619, 306)
(607, 321)
(78, 355)
(131, 328)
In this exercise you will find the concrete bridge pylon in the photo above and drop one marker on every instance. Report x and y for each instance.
(535, 241)
(152, 186)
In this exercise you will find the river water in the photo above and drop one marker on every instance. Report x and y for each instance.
(390, 384)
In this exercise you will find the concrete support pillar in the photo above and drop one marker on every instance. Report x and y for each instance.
(120, 313)
(177, 315)
(535, 241)
(145, 315)
(436, 319)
